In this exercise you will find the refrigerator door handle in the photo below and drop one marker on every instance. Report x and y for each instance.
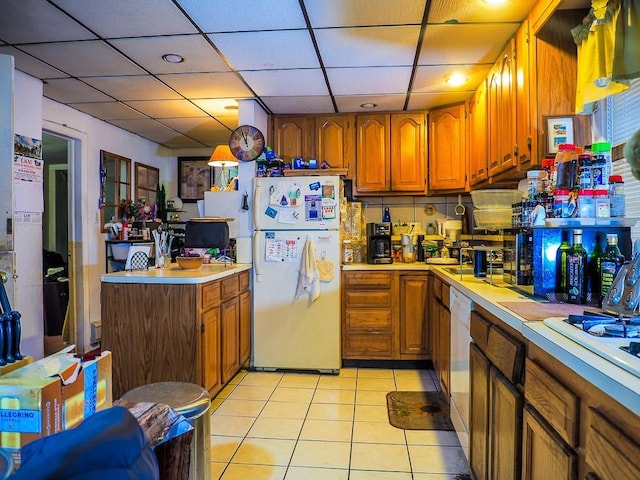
(257, 265)
(256, 203)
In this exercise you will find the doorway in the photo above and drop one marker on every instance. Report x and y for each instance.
(55, 242)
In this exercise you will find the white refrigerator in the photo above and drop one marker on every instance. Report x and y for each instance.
(293, 327)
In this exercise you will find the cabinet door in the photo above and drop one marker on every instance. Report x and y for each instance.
(507, 103)
(211, 351)
(493, 120)
(229, 319)
(505, 428)
(479, 413)
(444, 347)
(408, 154)
(245, 326)
(524, 141)
(335, 141)
(373, 169)
(544, 455)
(478, 154)
(414, 318)
(447, 149)
(293, 137)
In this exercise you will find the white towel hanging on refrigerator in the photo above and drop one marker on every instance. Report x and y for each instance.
(308, 276)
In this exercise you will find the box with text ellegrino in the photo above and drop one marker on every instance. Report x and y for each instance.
(51, 395)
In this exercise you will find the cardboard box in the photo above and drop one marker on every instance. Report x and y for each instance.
(51, 395)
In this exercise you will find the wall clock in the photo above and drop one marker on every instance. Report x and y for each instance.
(246, 143)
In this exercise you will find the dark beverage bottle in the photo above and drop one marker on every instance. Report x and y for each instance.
(386, 216)
(577, 270)
(561, 266)
(610, 264)
(594, 282)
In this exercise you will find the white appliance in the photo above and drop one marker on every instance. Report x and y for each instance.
(290, 333)
(460, 390)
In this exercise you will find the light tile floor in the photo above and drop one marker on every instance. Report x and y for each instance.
(301, 426)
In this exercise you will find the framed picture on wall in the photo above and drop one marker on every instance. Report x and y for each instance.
(194, 178)
(559, 130)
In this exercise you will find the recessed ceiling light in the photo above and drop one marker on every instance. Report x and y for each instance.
(456, 79)
(173, 58)
(231, 107)
(368, 105)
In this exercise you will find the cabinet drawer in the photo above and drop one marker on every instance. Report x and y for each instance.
(378, 319)
(506, 354)
(610, 453)
(437, 288)
(368, 298)
(445, 295)
(368, 345)
(368, 280)
(229, 287)
(479, 329)
(558, 405)
(210, 295)
(244, 280)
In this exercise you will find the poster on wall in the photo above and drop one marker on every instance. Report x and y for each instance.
(28, 175)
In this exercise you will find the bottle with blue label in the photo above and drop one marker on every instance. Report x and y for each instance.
(386, 216)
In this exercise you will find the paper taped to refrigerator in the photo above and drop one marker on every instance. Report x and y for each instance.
(285, 194)
(278, 250)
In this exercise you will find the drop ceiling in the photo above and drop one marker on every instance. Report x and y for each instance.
(104, 58)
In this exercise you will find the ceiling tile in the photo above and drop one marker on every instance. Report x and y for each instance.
(368, 81)
(429, 79)
(229, 121)
(299, 82)
(267, 50)
(143, 17)
(368, 46)
(217, 106)
(426, 101)
(207, 85)
(198, 54)
(180, 141)
(244, 15)
(140, 125)
(384, 103)
(167, 108)
(84, 59)
(187, 125)
(133, 87)
(70, 90)
(31, 21)
(28, 64)
(349, 13)
(460, 44)
(281, 105)
(465, 11)
(108, 110)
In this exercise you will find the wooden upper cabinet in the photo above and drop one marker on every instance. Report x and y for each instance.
(477, 128)
(334, 141)
(524, 105)
(373, 169)
(293, 137)
(408, 154)
(447, 149)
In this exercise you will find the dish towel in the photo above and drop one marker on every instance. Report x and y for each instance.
(308, 276)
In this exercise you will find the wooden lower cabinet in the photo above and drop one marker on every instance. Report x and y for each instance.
(230, 336)
(441, 332)
(479, 413)
(245, 327)
(211, 377)
(385, 315)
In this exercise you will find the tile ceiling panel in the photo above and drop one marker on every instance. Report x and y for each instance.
(384, 103)
(30, 21)
(267, 50)
(229, 121)
(299, 104)
(140, 125)
(368, 46)
(108, 110)
(167, 108)
(460, 44)
(466, 11)
(69, 90)
(275, 83)
(426, 101)
(84, 59)
(368, 81)
(34, 67)
(351, 13)
(216, 106)
(143, 17)
(187, 125)
(244, 15)
(137, 87)
(198, 54)
(207, 85)
(431, 79)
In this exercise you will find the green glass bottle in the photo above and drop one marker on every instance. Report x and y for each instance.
(577, 270)
(610, 264)
(561, 266)
(593, 282)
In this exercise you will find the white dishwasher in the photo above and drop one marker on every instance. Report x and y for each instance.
(460, 307)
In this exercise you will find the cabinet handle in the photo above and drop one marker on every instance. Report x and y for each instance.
(591, 476)
(202, 328)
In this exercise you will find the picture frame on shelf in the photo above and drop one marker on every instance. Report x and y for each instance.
(559, 130)
(194, 178)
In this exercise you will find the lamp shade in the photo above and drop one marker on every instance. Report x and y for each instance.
(222, 157)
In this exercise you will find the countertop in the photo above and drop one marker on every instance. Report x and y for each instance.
(176, 275)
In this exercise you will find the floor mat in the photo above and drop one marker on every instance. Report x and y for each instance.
(418, 411)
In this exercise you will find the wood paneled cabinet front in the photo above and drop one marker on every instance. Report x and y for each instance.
(414, 313)
(293, 136)
(447, 149)
(441, 337)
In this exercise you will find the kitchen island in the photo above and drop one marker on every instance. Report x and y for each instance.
(170, 324)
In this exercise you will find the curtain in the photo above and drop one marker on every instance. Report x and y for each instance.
(626, 58)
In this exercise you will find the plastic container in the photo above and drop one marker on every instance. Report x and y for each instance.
(585, 167)
(536, 183)
(601, 154)
(549, 166)
(561, 203)
(616, 196)
(586, 203)
(493, 218)
(601, 200)
(495, 198)
(347, 251)
(566, 163)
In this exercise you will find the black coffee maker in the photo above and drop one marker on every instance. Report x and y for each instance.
(379, 243)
